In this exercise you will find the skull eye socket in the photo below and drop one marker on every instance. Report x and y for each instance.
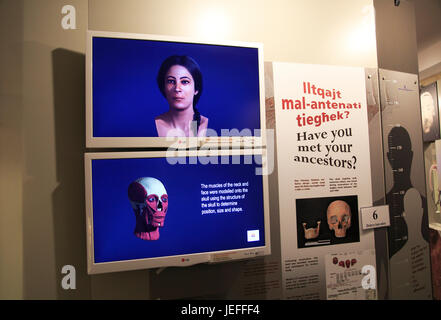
(151, 199)
(345, 218)
(333, 219)
(164, 198)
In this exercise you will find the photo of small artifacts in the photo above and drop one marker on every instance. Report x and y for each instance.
(327, 221)
(430, 113)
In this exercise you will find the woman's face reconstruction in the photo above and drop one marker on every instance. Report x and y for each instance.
(179, 87)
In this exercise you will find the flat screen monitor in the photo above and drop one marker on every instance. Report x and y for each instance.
(159, 209)
(158, 91)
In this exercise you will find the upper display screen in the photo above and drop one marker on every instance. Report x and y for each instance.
(141, 88)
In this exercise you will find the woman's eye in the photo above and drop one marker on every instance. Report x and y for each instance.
(164, 199)
(151, 199)
(185, 82)
(170, 81)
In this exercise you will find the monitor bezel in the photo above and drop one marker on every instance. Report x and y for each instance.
(176, 260)
(175, 142)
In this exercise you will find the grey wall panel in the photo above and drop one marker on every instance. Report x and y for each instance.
(405, 186)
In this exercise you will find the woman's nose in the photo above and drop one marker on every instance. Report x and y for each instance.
(178, 87)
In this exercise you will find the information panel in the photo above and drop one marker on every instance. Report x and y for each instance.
(324, 179)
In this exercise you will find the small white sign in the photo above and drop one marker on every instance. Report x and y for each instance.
(375, 217)
(253, 235)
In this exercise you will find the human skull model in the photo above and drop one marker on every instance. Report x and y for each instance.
(339, 217)
(311, 233)
(149, 200)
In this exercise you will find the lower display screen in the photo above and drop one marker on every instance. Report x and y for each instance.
(159, 207)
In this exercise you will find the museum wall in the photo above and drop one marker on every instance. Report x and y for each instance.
(429, 39)
(11, 235)
(43, 134)
(42, 201)
(396, 36)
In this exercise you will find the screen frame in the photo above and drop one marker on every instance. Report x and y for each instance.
(176, 142)
(176, 260)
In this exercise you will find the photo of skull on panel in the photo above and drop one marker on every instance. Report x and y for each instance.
(149, 201)
(327, 221)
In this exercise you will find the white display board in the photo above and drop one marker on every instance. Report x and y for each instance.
(324, 174)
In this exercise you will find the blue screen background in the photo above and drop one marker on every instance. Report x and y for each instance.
(126, 97)
(185, 229)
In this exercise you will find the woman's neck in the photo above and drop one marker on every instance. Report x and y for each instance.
(181, 119)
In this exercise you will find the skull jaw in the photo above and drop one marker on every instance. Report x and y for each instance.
(146, 232)
(147, 225)
(311, 233)
(155, 218)
(340, 233)
(149, 235)
(157, 221)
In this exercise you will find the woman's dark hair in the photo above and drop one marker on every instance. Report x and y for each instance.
(192, 66)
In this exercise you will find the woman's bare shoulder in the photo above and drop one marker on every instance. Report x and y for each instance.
(162, 117)
(204, 120)
(162, 125)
